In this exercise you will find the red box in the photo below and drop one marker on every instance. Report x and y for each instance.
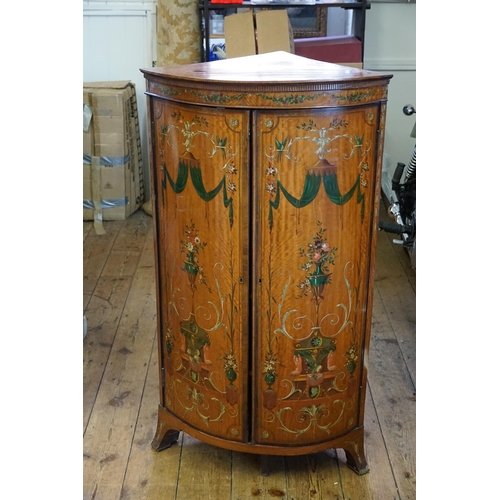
(333, 49)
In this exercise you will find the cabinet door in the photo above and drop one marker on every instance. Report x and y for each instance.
(315, 176)
(201, 194)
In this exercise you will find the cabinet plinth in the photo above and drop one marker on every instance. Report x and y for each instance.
(265, 175)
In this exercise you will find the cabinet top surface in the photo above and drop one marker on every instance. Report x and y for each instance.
(271, 68)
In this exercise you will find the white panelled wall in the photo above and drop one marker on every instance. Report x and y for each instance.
(118, 39)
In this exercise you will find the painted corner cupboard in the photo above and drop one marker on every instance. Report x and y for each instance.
(265, 174)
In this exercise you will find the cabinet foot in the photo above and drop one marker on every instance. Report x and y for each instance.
(265, 469)
(165, 436)
(355, 454)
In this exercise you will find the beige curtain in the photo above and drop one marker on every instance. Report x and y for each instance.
(178, 36)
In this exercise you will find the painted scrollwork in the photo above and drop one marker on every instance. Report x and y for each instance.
(195, 401)
(315, 417)
(318, 324)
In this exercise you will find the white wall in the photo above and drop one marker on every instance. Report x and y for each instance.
(338, 21)
(390, 46)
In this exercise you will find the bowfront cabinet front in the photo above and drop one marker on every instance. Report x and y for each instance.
(265, 172)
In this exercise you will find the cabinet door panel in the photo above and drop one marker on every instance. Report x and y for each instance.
(315, 176)
(201, 198)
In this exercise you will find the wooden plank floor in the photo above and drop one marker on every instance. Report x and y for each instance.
(120, 393)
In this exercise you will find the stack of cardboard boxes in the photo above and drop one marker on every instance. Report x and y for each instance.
(113, 184)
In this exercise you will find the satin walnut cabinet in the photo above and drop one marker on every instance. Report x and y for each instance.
(265, 175)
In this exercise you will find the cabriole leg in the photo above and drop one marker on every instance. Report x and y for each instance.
(355, 453)
(165, 436)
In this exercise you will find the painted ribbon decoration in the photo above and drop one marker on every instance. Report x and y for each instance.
(311, 188)
(187, 168)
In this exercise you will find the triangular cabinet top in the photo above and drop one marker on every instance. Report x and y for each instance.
(273, 72)
(273, 67)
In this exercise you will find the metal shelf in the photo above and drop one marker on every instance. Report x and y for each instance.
(205, 6)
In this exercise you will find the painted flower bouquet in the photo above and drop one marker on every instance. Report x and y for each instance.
(191, 247)
(319, 256)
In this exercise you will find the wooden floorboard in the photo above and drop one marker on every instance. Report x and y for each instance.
(120, 393)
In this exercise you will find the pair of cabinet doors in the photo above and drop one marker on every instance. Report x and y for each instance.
(264, 250)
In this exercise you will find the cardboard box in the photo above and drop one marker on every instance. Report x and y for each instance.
(248, 34)
(113, 184)
(344, 49)
(273, 31)
(239, 32)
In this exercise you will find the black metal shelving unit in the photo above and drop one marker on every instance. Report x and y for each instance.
(359, 8)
